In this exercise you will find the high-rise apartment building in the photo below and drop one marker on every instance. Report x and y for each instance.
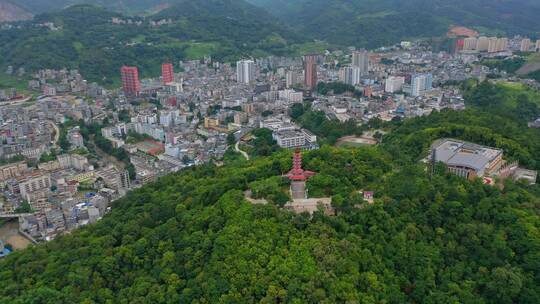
(310, 71)
(483, 44)
(525, 45)
(537, 48)
(470, 44)
(130, 80)
(351, 75)
(420, 83)
(492, 45)
(394, 84)
(502, 44)
(360, 59)
(167, 73)
(293, 78)
(245, 71)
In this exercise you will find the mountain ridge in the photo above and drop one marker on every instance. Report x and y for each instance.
(10, 12)
(357, 22)
(89, 37)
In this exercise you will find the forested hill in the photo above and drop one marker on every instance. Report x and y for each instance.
(11, 12)
(86, 38)
(192, 238)
(363, 23)
(123, 6)
(235, 19)
(374, 23)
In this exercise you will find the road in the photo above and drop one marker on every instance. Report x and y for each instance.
(237, 149)
(16, 102)
(56, 132)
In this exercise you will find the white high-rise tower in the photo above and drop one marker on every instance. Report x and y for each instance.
(245, 71)
(360, 59)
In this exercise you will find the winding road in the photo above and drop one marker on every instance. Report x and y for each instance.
(237, 149)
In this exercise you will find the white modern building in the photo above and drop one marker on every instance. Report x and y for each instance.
(245, 71)
(351, 75)
(360, 59)
(420, 84)
(296, 138)
(394, 84)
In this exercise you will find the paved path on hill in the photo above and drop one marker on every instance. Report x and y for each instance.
(237, 148)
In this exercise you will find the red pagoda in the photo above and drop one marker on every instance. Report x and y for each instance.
(297, 173)
(298, 177)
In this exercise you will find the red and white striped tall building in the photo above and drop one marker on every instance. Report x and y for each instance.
(310, 71)
(130, 80)
(167, 73)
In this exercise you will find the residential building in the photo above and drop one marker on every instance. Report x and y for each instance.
(482, 44)
(114, 178)
(245, 71)
(537, 47)
(470, 44)
(394, 84)
(292, 78)
(291, 96)
(310, 71)
(130, 80)
(34, 184)
(12, 170)
(167, 73)
(502, 44)
(351, 75)
(74, 161)
(525, 45)
(360, 59)
(420, 84)
(368, 91)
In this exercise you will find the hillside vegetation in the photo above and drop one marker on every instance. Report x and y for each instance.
(429, 238)
(370, 23)
(86, 38)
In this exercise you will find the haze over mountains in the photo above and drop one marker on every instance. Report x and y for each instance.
(356, 22)
(340, 21)
(11, 12)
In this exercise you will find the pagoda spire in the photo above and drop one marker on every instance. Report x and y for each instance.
(297, 173)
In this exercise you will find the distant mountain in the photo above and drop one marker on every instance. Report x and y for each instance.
(89, 41)
(231, 19)
(11, 12)
(377, 22)
(124, 6)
